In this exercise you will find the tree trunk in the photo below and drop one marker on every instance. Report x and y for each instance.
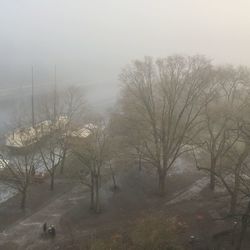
(161, 182)
(233, 203)
(244, 224)
(212, 174)
(33, 171)
(97, 199)
(113, 177)
(92, 192)
(52, 181)
(114, 182)
(139, 163)
(234, 196)
(23, 200)
(63, 161)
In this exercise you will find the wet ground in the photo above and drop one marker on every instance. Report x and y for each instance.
(186, 199)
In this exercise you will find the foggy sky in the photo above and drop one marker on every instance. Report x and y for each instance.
(90, 41)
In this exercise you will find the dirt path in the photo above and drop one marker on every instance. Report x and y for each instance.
(25, 234)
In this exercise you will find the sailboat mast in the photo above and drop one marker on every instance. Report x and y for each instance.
(55, 92)
(32, 97)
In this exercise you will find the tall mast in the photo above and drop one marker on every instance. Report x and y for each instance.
(55, 92)
(32, 97)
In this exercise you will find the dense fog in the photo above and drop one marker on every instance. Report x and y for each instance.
(124, 124)
(90, 41)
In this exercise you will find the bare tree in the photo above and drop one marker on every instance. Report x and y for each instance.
(19, 167)
(222, 137)
(51, 153)
(93, 151)
(220, 123)
(73, 107)
(61, 118)
(161, 105)
(244, 225)
(231, 173)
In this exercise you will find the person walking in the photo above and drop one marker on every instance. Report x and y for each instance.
(53, 231)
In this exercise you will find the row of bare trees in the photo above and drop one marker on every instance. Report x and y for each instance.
(177, 105)
(168, 107)
(40, 150)
(44, 148)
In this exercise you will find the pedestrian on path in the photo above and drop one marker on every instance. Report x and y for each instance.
(52, 231)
